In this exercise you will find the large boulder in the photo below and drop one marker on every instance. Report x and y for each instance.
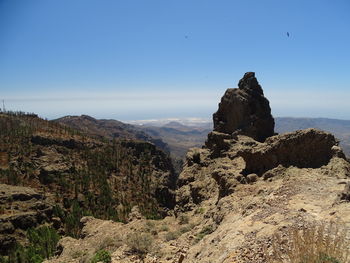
(245, 111)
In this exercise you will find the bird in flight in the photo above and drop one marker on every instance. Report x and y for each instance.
(287, 34)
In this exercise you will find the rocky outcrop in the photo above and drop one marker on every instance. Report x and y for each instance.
(243, 160)
(254, 184)
(21, 208)
(245, 111)
(304, 149)
(242, 148)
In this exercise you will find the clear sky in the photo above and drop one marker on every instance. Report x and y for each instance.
(142, 59)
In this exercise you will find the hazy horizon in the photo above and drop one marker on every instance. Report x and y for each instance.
(156, 106)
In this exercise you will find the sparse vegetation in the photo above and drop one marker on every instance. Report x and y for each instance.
(164, 228)
(77, 254)
(326, 243)
(185, 229)
(111, 242)
(200, 210)
(205, 231)
(184, 219)
(140, 243)
(101, 256)
(172, 235)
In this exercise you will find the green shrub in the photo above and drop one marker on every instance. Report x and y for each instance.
(164, 228)
(200, 210)
(184, 219)
(101, 256)
(42, 244)
(150, 227)
(205, 231)
(186, 229)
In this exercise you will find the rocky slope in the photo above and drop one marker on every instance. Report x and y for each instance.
(235, 228)
(22, 208)
(233, 196)
(172, 138)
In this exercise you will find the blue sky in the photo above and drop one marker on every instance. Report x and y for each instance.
(142, 59)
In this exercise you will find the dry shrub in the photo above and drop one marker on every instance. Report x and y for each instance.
(325, 243)
(172, 235)
(140, 243)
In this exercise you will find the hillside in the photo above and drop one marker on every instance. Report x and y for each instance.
(79, 175)
(110, 129)
(174, 137)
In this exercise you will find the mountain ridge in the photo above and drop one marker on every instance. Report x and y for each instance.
(110, 129)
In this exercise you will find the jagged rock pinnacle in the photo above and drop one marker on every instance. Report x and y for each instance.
(245, 110)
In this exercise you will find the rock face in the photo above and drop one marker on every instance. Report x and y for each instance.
(245, 111)
(304, 149)
(21, 208)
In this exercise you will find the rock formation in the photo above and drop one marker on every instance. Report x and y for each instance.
(243, 141)
(245, 111)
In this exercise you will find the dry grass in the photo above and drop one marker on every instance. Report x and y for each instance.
(326, 243)
(140, 243)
